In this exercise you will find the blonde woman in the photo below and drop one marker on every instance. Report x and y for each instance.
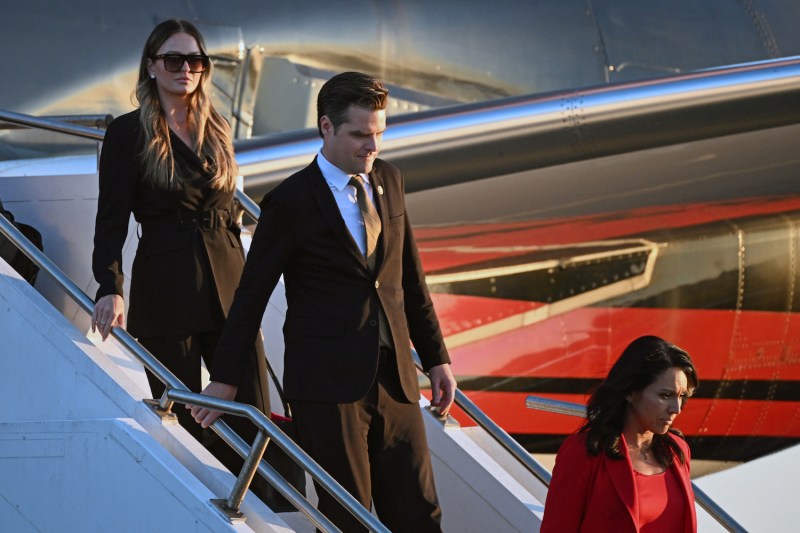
(171, 164)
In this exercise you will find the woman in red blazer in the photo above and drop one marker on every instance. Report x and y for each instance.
(627, 469)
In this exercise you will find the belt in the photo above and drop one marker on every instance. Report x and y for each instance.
(205, 220)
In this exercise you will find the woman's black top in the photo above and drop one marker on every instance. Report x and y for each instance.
(189, 258)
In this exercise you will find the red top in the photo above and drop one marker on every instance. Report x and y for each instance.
(661, 502)
(599, 494)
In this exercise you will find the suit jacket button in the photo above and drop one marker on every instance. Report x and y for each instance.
(377, 284)
(373, 323)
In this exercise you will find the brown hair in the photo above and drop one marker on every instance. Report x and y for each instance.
(212, 132)
(346, 89)
(639, 365)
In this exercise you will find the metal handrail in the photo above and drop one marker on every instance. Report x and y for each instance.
(247, 203)
(579, 410)
(90, 121)
(496, 432)
(176, 390)
(51, 124)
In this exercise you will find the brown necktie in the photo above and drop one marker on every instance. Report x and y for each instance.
(372, 222)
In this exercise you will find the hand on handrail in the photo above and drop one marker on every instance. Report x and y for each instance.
(206, 416)
(109, 311)
(443, 388)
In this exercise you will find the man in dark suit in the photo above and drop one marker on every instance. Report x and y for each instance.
(339, 234)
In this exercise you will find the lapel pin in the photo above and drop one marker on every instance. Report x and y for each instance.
(380, 190)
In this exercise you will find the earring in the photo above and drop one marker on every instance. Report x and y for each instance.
(152, 76)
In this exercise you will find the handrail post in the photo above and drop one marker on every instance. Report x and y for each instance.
(246, 475)
(163, 407)
(165, 404)
(248, 470)
(270, 474)
(325, 480)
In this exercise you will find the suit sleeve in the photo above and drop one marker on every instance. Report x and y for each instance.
(569, 488)
(268, 255)
(423, 325)
(118, 177)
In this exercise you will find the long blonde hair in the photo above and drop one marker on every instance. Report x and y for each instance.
(212, 132)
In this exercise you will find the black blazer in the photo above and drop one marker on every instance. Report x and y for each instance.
(331, 327)
(184, 274)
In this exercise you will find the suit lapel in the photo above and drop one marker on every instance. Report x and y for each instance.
(330, 211)
(621, 474)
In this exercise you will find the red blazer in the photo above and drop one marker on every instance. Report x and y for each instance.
(596, 494)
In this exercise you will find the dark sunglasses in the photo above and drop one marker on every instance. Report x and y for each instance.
(174, 62)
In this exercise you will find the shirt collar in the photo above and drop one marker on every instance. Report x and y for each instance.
(334, 175)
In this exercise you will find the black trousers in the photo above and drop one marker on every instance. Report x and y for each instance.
(182, 356)
(377, 450)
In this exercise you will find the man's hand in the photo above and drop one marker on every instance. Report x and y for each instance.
(205, 416)
(443, 388)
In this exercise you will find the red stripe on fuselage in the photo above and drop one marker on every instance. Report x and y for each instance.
(444, 248)
(725, 345)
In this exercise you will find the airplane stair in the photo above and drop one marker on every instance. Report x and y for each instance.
(80, 451)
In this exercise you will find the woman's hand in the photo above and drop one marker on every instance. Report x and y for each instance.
(109, 311)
